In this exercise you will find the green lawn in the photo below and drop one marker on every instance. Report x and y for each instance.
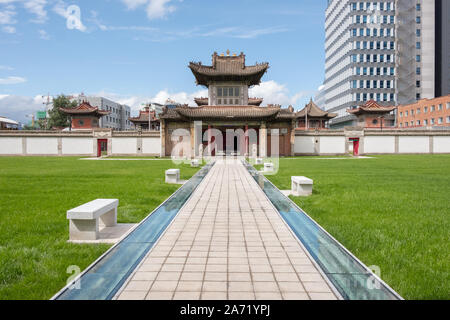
(391, 211)
(35, 194)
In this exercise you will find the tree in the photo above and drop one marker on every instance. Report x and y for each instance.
(58, 119)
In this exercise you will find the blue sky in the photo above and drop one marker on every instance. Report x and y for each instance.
(135, 51)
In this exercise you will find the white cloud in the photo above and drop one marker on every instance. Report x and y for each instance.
(9, 29)
(12, 80)
(36, 7)
(18, 107)
(7, 16)
(271, 91)
(275, 93)
(155, 9)
(6, 68)
(135, 102)
(159, 9)
(44, 35)
(133, 4)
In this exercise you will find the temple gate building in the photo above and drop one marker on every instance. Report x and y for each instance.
(85, 116)
(313, 118)
(147, 120)
(372, 115)
(228, 119)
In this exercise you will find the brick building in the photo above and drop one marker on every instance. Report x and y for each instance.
(425, 113)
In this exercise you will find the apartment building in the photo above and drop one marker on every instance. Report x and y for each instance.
(118, 119)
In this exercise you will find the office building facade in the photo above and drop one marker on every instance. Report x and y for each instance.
(385, 51)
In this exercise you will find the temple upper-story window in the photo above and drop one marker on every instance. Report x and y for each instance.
(228, 95)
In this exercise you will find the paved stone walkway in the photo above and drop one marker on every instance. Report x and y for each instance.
(227, 243)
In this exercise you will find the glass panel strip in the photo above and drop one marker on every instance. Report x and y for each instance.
(103, 279)
(351, 278)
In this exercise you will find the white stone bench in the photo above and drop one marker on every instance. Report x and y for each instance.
(173, 176)
(268, 167)
(86, 220)
(301, 186)
(195, 163)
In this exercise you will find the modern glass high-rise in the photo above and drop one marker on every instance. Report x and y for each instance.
(383, 50)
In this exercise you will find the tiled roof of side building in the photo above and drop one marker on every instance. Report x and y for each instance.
(286, 114)
(85, 109)
(314, 111)
(372, 107)
(143, 117)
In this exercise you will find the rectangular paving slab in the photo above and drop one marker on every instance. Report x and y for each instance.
(227, 243)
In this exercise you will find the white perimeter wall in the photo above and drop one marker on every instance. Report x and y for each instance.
(441, 145)
(379, 144)
(332, 145)
(124, 146)
(151, 145)
(304, 145)
(413, 144)
(78, 146)
(10, 145)
(42, 146)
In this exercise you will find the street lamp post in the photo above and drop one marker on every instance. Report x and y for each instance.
(149, 119)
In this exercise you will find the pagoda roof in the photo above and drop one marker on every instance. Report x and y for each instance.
(371, 107)
(144, 117)
(255, 101)
(201, 101)
(251, 101)
(313, 111)
(227, 113)
(228, 68)
(85, 109)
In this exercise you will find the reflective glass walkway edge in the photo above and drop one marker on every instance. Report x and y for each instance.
(351, 278)
(106, 275)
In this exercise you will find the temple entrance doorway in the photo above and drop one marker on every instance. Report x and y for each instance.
(230, 141)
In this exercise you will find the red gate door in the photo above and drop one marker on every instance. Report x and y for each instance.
(102, 147)
(355, 147)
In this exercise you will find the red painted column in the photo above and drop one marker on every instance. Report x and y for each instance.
(209, 141)
(246, 140)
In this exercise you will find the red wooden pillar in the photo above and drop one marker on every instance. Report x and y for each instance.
(209, 141)
(246, 140)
